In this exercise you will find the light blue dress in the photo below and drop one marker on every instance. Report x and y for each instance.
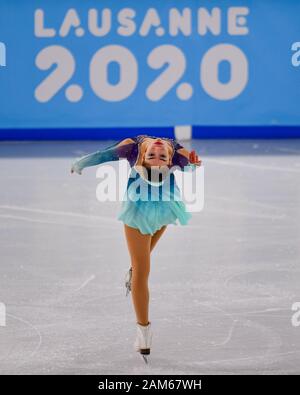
(146, 206)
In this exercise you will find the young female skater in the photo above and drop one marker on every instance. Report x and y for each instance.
(146, 215)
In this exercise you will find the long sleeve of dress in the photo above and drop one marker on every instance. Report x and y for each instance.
(181, 160)
(111, 153)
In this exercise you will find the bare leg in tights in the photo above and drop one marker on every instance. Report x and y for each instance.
(140, 247)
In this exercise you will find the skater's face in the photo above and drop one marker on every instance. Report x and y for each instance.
(158, 153)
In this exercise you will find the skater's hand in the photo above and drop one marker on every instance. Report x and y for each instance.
(194, 158)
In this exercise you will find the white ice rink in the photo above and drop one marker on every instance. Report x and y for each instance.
(221, 288)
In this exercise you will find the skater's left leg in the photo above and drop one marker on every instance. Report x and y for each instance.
(157, 235)
(139, 249)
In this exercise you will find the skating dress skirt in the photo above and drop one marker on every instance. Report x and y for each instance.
(148, 208)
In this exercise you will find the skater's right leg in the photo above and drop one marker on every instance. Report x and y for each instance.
(139, 250)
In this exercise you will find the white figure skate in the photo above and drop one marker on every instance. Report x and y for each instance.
(143, 340)
(128, 281)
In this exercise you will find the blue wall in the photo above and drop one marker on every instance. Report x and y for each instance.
(104, 69)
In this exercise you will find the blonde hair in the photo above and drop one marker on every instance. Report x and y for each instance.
(142, 150)
(154, 175)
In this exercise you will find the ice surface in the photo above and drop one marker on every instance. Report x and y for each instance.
(221, 288)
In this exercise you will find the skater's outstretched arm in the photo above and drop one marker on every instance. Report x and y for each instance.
(114, 152)
(186, 160)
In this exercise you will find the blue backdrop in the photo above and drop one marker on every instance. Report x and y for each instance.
(130, 64)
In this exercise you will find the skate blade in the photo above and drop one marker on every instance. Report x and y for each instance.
(127, 291)
(145, 358)
(145, 352)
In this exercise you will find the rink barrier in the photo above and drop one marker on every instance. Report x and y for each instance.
(180, 132)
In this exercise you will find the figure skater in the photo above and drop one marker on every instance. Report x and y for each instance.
(145, 220)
